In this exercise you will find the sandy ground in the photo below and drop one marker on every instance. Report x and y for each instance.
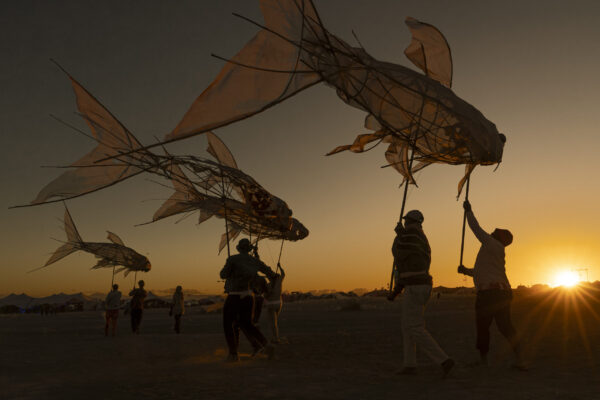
(332, 354)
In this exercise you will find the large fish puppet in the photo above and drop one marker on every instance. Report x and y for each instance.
(415, 113)
(215, 188)
(221, 189)
(113, 254)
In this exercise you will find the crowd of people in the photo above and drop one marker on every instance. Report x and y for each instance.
(251, 285)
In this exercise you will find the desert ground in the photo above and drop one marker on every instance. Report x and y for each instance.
(337, 349)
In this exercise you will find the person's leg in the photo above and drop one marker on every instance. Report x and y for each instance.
(133, 317)
(230, 311)
(177, 322)
(483, 319)
(504, 322)
(418, 297)
(252, 332)
(410, 312)
(114, 324)
(107, 317)
(257, 309)
(273, 314)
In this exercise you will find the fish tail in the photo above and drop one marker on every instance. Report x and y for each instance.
(270, 68)
(97, 169)
(73, 242)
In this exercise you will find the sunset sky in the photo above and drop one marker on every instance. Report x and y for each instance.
(531, 67)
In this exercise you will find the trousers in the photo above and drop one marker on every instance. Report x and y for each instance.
(413, 327)
(237, 314)
(494, 305)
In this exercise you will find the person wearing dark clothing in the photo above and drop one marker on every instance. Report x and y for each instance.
(494, 294)
(137, 306)
(238, 272)
(177, 307)
(412, 258)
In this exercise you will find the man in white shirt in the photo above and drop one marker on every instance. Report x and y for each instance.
(494, 293)
(112, 305)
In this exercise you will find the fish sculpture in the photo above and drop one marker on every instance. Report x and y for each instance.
(415, 113)
(220, 189)
(213, 188)
(113, 254)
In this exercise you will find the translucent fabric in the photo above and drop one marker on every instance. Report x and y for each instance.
(404, 108)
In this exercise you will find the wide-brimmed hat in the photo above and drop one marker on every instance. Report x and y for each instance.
(414, 215)
(244, 245)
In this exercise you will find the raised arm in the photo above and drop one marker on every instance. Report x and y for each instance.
(479, 233)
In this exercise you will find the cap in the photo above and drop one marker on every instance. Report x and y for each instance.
(414, 215)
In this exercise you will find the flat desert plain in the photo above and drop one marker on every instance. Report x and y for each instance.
(336, 349)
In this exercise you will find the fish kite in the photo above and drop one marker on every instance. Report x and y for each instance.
(216, 188)
(222, 190)
(113, 254)
(413, 112)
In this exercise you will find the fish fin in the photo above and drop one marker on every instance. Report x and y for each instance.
(266, 71)
(429, 51)
(114, 238)
(89, 173)
(59, 253)
(233, 233)
(180, 201)
(126, 272)
(70, 228)
(468, 170)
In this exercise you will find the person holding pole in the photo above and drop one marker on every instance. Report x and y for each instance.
(412, 258)
(238, 272)
(494, 294)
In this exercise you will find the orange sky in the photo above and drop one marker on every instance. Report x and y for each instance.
(531, 71)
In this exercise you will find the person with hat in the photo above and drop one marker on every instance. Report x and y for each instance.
(494, 294)
(412, 258)
(137, 306)
(239, 272)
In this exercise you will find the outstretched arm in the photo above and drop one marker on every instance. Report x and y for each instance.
(465, 271)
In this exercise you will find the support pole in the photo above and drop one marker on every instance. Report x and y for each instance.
(280, 251)
(412, 156)
(112, 282)
(225, 212)
(462, 242)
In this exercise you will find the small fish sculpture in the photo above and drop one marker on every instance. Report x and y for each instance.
(114, 254)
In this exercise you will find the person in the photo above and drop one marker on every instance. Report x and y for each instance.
(494, 293)
(177, 307)
(238, 272)
(412, 257)
(137, 306)
(274, 303)
(259, 288)
(112, 305)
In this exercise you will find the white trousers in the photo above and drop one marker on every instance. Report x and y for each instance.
(413, 326)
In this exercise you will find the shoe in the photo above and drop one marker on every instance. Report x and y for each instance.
(447, 366)
(232, 358)
(408, 371)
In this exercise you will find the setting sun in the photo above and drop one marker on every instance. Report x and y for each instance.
(566, 279)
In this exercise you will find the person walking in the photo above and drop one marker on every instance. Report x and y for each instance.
(177, 308)
(137, 306)
(112, 303)
(274, 302)
(238, 272)
(494, 293)
(412, 258)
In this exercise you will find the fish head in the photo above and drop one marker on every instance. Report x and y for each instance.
(297, 231)
(141, 263)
